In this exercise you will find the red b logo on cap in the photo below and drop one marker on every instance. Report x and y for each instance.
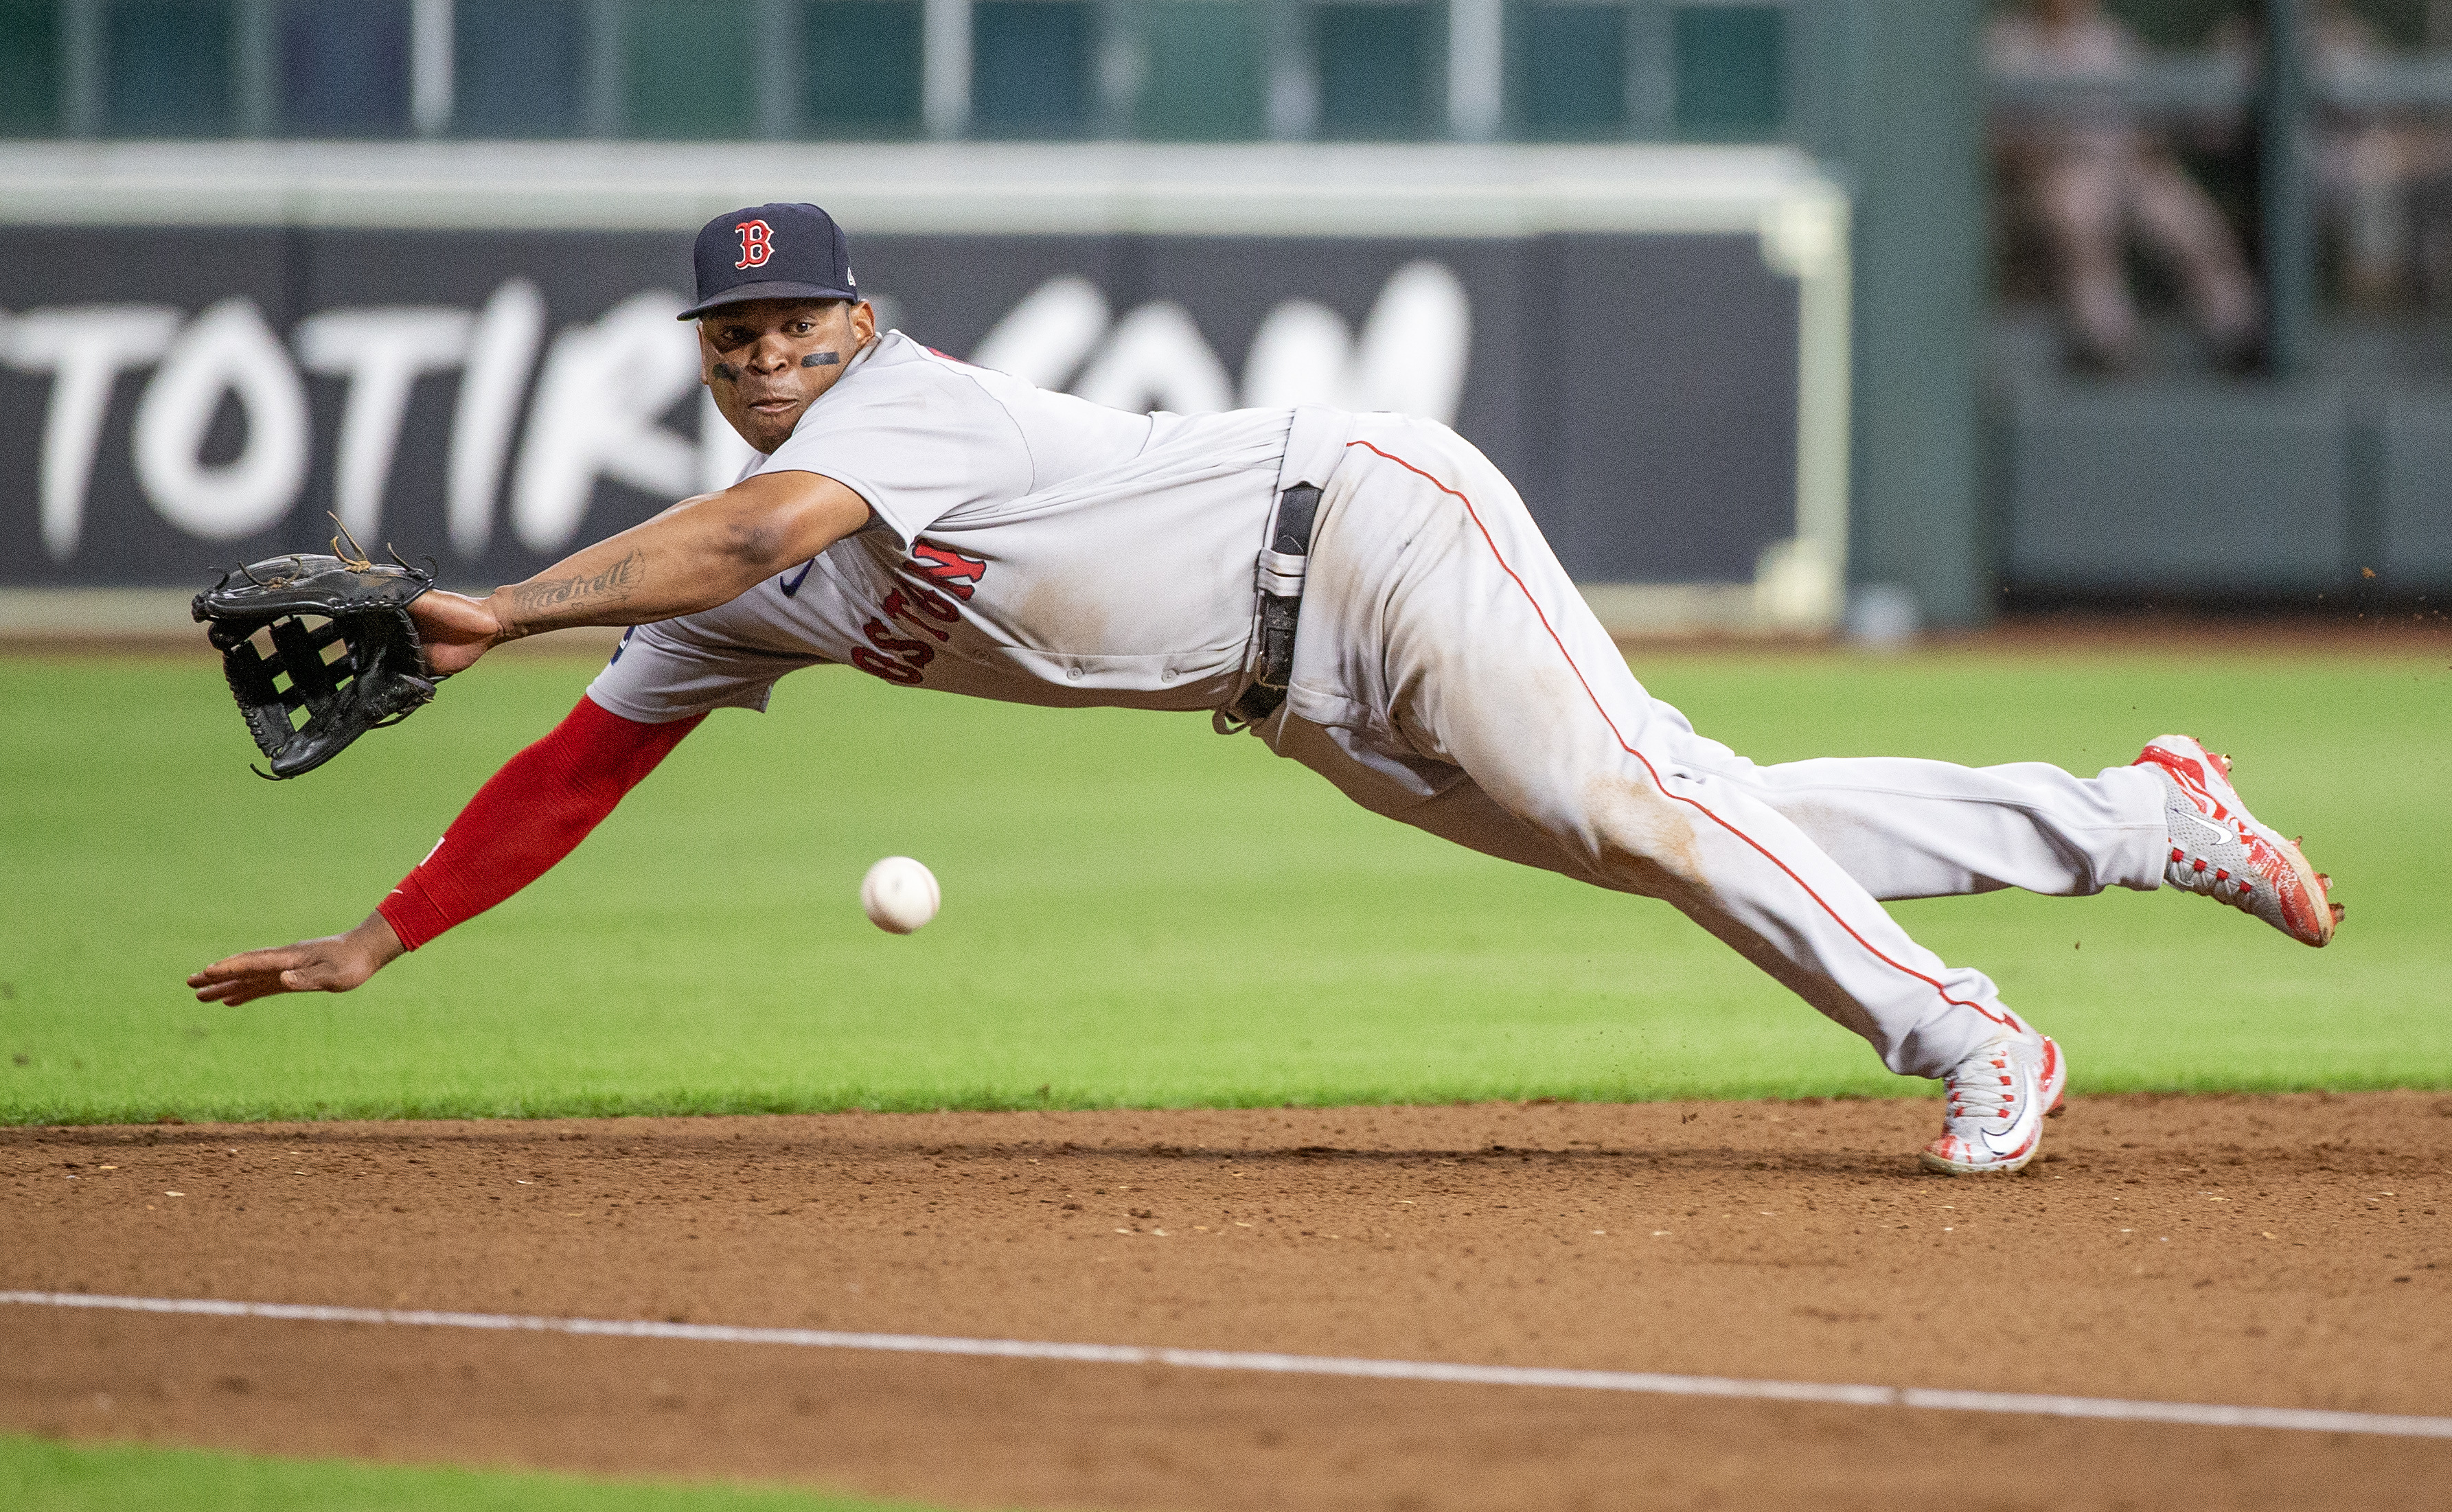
(757, 243)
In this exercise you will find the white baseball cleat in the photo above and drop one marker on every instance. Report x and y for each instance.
(1999, 1098)
(2220, 849)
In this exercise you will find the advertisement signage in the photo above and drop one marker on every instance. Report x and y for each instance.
(177, 398)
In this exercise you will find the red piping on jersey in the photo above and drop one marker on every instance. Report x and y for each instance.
(2002, 1018)
(528, 816)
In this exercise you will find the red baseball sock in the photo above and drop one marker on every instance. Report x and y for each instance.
(528, 816)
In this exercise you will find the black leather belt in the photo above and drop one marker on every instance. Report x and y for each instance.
(1281, 569)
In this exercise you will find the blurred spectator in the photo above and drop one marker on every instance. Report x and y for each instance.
(2362, 166)
(2089, 177)
(2382, 178)
(2360, 175)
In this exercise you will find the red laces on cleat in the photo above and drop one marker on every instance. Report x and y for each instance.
(1994, 1103)
(2218, 849)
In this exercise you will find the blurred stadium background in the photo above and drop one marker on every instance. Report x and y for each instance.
(1785, 316)
(1833, 318)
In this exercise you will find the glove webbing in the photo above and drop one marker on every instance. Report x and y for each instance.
(298, 651)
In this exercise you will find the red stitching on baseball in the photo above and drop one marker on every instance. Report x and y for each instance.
(2005, 1017)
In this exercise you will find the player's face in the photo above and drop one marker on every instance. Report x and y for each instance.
(768, 360)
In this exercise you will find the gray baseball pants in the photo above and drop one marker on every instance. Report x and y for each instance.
(1448, 674)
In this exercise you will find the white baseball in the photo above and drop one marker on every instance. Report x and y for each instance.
(899, 894)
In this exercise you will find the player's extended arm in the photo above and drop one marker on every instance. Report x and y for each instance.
(696, 555)
(528, 816)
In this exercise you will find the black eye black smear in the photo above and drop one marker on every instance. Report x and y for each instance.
(820, 359)
(727, 373)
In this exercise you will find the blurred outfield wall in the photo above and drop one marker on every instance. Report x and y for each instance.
(469, 349)
(1882, 96)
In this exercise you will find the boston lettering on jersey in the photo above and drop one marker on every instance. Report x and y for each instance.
(893, 652)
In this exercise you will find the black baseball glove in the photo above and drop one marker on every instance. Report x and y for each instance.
(344, 651)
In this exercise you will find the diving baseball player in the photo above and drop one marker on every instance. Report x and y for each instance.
(1365, 592)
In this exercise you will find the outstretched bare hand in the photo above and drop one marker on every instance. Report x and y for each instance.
(455, 629)
(336, 963)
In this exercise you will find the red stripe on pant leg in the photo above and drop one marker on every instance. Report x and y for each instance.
(2004, 1017)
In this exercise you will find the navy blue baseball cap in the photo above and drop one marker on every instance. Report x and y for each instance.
(771, 252)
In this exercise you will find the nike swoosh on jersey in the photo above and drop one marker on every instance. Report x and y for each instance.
(791, 585)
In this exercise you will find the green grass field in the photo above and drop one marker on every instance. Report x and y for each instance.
(1137, 912)
(37, 1474)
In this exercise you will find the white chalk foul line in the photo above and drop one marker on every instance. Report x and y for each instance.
(2207, 1415)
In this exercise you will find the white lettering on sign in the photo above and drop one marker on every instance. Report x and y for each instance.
(381, 352)
(722, 456)
(607, 396)
(1157, 360)
(595, 415)
(227, 349)
(85, 350)
(1043, 340)
(1415, 344)
(1411, 357)
(501, 352)
(1302, 354)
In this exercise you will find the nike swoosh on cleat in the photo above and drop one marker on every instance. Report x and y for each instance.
(2028, 1126)
(2012, 1152)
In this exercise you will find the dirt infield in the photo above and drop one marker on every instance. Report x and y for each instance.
(2273, 1251)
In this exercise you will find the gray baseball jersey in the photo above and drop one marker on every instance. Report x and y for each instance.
(1024, 546)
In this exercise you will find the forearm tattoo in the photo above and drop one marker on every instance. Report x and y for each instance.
(561, 599)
